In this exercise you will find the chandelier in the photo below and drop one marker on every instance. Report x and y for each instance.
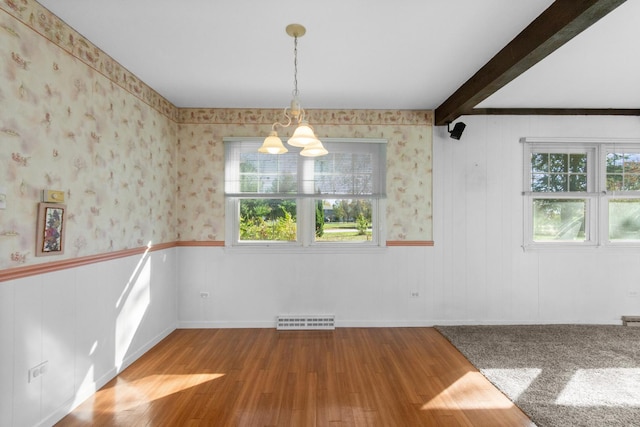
(304, 135)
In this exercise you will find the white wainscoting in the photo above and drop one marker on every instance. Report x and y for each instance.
(251, 289)
(87, 323)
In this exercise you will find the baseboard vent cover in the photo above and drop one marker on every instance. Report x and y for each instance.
(305, 322)
(630, 320)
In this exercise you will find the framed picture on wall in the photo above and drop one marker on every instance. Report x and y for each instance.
(50, 229)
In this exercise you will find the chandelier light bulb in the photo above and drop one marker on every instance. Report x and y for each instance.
(273, 144)
(303, 136)
(314, 150)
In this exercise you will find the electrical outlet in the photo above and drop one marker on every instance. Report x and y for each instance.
(633, 293)
(37, 371)
(204, 295)
(414, 294)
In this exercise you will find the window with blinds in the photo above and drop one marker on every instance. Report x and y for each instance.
(292, 199)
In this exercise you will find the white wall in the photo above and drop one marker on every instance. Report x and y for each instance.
(483, 275)
(477, 271)
(88, 323)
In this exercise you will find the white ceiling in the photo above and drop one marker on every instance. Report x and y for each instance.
(370, 54)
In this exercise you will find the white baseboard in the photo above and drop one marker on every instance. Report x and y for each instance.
(230, 324)
(383, 323)
(522, 322)
(272, 324)
(226, 324)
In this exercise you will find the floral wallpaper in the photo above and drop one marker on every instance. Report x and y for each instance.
(201, 163)
(66, 126)
(134, 168)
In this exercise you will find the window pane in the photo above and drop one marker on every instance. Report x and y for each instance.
(559, 219)
(614, 163)
(578, 163)
(623, 171)
(558, 182)
(345, 220)
(558, 172)
(539, 162)
(577, 183)
(614, 182)
(631, 171)
(540, 182)
(632, 163)
(558, 162)
(624, 219)
(268, 220)
(632, 182)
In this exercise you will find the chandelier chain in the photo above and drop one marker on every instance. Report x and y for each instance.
(295, 67)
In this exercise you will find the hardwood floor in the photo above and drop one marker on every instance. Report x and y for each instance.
(263, 377)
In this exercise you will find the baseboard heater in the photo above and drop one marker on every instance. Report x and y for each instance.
(288, 322)
(630, 320)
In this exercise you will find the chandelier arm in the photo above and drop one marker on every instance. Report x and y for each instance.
(286, 114)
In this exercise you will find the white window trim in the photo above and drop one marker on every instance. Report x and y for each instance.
(306, 229)
(597, 196)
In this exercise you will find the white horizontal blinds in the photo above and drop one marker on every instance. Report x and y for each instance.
(268, 174)
(252, 174)
(352, 169)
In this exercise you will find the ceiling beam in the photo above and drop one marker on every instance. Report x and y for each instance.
(555, 111)
(558, 24)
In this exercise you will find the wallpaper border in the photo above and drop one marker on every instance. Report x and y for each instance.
(335, 117)
(44, 23)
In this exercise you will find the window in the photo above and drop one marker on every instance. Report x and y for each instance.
(581, 193)
(622, 193)
(289, 199)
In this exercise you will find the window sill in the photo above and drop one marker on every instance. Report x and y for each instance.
(266, 249)
(564, 247)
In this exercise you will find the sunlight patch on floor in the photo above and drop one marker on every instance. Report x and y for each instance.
(128, 395)
(466, 394)
(513, 382)
(609, 387)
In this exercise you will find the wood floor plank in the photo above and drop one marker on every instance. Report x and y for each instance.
(263, 377)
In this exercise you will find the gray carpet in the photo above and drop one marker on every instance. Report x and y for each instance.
(559, 375)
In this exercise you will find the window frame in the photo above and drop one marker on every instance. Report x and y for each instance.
(305, 204)
(597, 196)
